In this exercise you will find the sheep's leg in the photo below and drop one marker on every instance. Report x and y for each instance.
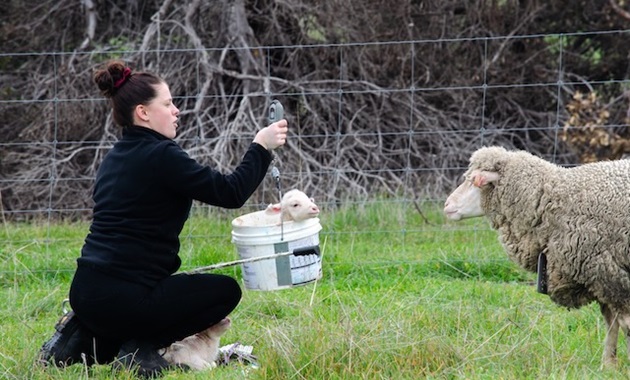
(612, 334)
(624, 323)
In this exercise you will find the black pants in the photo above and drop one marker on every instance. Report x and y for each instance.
(178, 306)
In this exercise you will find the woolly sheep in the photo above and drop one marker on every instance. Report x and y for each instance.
(578, 217)
(199, 351)
(295, 205)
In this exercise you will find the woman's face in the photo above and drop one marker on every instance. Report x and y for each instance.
(161, 113)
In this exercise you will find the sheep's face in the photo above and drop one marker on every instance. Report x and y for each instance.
(295, 205)
(465, 201)
(300, 207)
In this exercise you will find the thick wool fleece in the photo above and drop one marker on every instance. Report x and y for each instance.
(579, 217)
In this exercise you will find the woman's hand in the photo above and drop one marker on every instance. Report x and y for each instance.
(273, 135)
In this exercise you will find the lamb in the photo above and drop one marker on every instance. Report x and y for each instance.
(199, 351)
(577, 218)
(295, 206)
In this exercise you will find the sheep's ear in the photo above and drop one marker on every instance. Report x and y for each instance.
(481, 178)
(273, 208)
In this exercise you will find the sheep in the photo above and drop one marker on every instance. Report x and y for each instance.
(295, 206)
(199, 351)
(577, 218)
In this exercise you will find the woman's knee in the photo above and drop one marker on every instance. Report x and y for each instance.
(233, 289)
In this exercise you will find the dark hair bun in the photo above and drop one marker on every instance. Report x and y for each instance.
(106, 77)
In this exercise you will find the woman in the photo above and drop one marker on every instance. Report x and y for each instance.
(127, 303)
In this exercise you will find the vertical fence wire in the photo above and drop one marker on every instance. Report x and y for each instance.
(556, 125)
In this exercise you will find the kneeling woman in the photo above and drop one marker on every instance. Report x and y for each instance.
(127, 302)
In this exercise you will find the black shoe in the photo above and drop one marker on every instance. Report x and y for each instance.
(69, 344)
(142, 357)
(74, 343)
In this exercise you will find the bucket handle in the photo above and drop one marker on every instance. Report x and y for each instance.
(305, 251)
(302, 251)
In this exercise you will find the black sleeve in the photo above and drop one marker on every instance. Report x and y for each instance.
(186, 176)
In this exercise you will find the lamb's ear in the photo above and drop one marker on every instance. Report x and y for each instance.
(481, 178)
(273, 208)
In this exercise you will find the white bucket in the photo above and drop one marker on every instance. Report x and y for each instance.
(256, 234)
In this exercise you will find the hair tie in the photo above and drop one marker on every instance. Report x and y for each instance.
(125, 75)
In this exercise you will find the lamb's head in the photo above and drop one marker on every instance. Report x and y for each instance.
(295, 205)
(215, 331)
(465, 201)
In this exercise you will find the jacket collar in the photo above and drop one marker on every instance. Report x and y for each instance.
(139, 131)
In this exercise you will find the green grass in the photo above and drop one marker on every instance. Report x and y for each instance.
(400, 298)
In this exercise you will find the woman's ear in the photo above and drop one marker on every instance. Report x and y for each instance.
(141, 112)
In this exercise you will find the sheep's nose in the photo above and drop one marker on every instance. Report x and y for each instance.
(448, 207)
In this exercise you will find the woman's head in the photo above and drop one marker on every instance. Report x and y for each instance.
(138, 98)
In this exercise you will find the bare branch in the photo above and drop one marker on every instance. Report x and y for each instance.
(620, 11)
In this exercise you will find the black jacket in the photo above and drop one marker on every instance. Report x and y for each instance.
(142, 197)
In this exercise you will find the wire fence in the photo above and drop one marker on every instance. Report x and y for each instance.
(410, 166)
